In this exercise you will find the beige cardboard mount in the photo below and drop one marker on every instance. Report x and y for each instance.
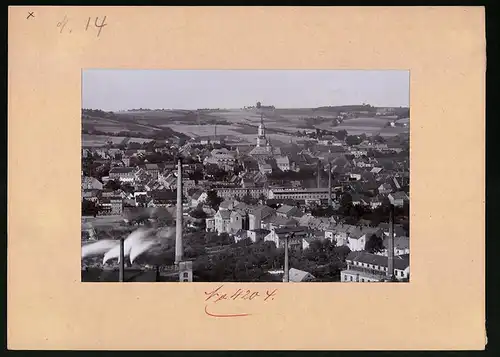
(441, 308)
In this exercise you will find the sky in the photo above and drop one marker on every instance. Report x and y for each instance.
(117, 89)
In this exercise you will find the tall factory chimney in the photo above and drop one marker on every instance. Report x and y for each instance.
(390, 248)
(178, 217)
(286, 269)
(318, 177)
(329, 184)
(121, 277)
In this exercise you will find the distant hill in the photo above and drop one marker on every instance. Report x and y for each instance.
(95, 121)
(350, 108)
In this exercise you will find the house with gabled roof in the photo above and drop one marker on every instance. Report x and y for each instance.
(283, 163)
(162, 198)
(197, 197)
(385, 188)
(239, 220)
(297, 276)
(399, 231)
(340, 234)
(376, 170)
(398, 198)
(227, 204)
(294, 234)
(152, 169)
(274, 221)
(123, 174)
(91, 183)
(357, 238)
(223, 221)
(240, 235)
(401, 246)
(257, 214)
(257, 235)
(289, 211)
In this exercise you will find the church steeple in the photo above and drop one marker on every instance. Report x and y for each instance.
(261, 135)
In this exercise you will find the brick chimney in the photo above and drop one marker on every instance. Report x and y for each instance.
(390, 248)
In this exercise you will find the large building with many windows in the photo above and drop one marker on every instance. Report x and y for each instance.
(298, 193)
(366, 267)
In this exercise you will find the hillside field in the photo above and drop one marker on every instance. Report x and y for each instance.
(237, 124)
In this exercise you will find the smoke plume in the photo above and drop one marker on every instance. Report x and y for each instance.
(99, 247)
(129, 242)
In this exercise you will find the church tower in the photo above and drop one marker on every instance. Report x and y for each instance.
(261, 135)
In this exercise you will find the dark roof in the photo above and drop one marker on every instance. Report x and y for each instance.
(398, 229)
(289, 230)
(263, 210)
(399, 242)
(359, 232)
(290, 211)
(297, 275)
(260, 231)
(197, 194)
(164, 194)
(119, 170)
(241, 233)
(287, 201)
(399, 195)
(225, 214)
(401, 262)
(151, 166)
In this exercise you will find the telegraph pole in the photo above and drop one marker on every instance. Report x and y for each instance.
(329, 184)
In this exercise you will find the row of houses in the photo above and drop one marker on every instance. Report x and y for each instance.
(263, 222)
(311, 195)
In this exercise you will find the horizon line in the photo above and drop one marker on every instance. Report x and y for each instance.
(239, 108)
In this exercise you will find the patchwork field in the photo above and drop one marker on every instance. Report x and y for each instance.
(368, 126)
(116, 126)
(89, 140)
(238, 124)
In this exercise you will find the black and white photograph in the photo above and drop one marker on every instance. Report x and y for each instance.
(245, 176)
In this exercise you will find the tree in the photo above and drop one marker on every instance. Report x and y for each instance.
(89, 208)
(379, 139)
(213, 200)
(248, 199)
(346, 204)
(112, 185)
(374, 244)
(136, 161)
(133, 145)
(225, 239)
(101, 171)
(198, 213)
(341, 135)
(323, 212)
(128, 188)
(196, 176)
(353, 140)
